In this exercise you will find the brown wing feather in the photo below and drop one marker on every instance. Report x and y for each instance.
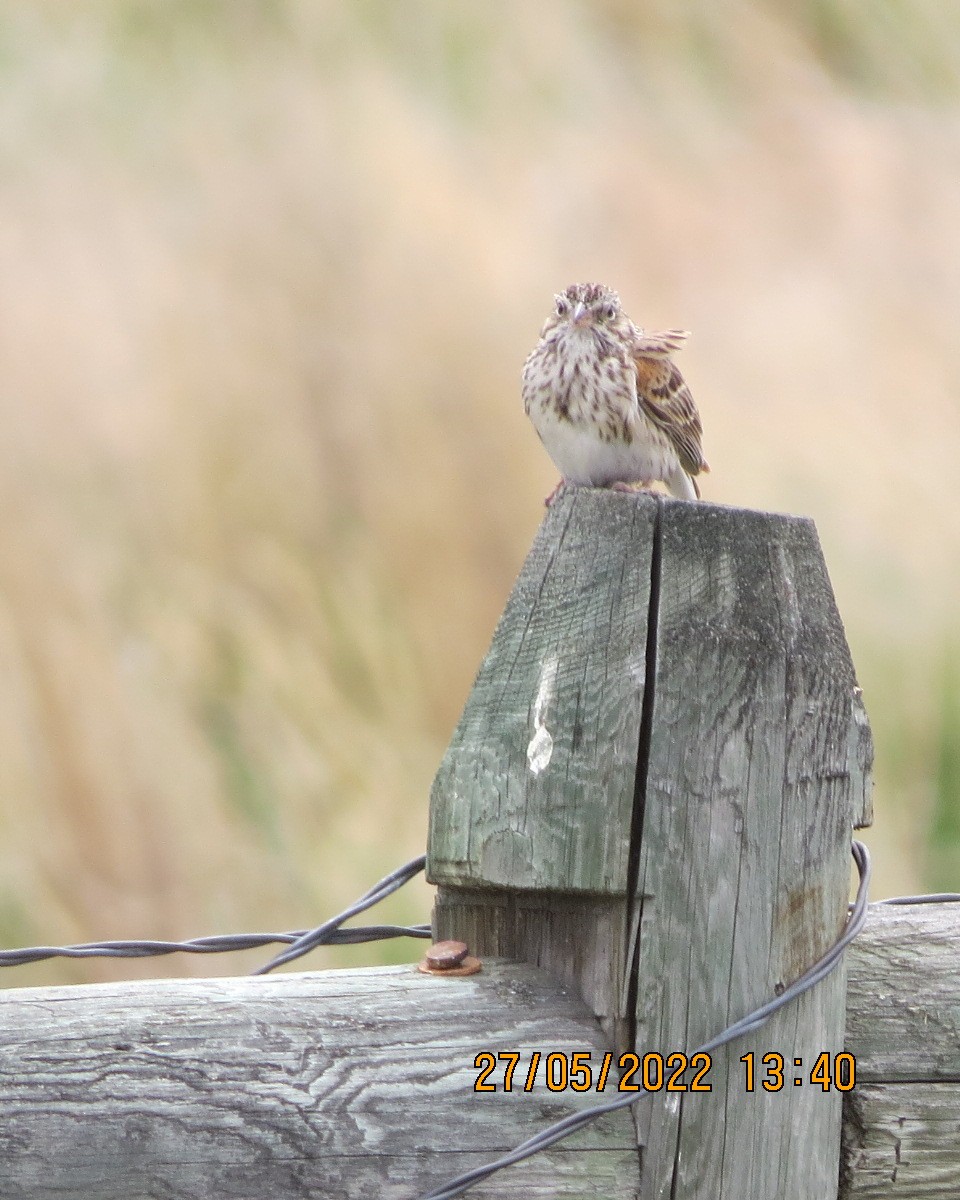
(659, 345)
(665, 400)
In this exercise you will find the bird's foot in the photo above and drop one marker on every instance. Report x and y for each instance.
(555, 493)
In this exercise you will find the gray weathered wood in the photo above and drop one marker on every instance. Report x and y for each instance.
(554, 713)
(753, 779)
(903, 997)
(359, 1083)
(752, 752)
(903, 1142)
(861, 754)
(340, 1084)
(902, 1122)
(579, 940)
(533, 801)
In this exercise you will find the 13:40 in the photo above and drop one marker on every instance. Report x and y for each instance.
(838, 1071)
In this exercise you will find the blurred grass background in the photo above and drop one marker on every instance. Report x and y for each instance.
(269, 273)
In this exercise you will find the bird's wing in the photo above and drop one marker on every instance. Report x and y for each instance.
(665, 400)
(659, 345)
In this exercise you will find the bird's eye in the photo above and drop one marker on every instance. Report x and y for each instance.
(610, 311)
(562, 307)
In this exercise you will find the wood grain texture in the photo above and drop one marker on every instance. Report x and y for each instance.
(709, 756)
(901, 1130)
(903, 996)
(359, 1083)
(902, 1142)
(535, 791)
(754, 777)
(334, 1085)
(581, 941)
(861, 753)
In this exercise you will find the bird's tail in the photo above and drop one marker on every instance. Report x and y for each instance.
(682, 485)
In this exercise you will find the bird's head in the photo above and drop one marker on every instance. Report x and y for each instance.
(588, 305)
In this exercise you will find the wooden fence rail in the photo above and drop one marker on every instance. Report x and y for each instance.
(647, 809)
(347, 1084)
(336, 1085)
(901, 1132)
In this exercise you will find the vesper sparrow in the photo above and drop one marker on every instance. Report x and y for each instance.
(607, 401)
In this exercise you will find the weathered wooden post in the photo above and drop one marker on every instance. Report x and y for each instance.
(651, 793)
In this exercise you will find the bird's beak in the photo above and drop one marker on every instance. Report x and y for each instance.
(579, 315)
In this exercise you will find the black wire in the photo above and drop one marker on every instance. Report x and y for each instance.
(321, 934)
(217, 944)
(301, 941)
(929, 898)
(569, 1124)
(298, 942)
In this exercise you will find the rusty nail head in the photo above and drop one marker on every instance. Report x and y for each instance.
(449, 958)
(446, 954)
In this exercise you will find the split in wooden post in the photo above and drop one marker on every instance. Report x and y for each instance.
(651, 794)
